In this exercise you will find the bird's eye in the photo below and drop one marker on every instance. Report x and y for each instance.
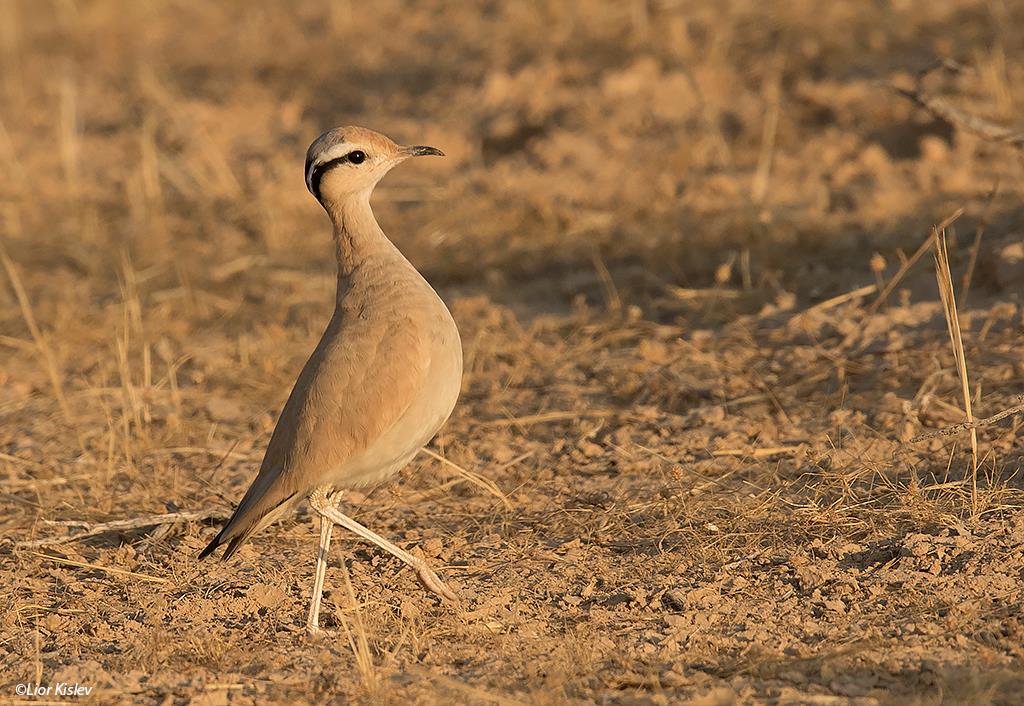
(357, 157)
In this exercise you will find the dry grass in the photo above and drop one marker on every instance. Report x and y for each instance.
(710, 445)
(944, 277)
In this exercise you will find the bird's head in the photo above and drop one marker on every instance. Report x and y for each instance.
(349, 161)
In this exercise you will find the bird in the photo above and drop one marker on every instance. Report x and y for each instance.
(381, 382)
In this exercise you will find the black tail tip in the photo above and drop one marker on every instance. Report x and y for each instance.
(233, 546)
(210, 548)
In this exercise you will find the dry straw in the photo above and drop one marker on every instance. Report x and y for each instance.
(42, 344)
(358, 640)
(945, 281)
(474, 478)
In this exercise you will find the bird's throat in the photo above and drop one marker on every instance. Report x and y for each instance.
(357, 237)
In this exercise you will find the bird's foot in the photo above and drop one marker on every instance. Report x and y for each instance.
(433, 582)
(315, 632)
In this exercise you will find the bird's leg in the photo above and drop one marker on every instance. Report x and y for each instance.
(313, 620)
(426, 574)
(320, 502)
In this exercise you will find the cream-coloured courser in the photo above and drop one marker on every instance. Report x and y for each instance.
(382, 380)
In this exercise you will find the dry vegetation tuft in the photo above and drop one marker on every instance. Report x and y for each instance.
(712, 446)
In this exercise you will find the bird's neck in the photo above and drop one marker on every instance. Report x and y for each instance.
(357, 237)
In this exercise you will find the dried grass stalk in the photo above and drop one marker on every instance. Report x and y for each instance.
(945, 281)
(905, 267)
(474, 478)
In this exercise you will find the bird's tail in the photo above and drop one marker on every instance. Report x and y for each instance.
(263, 503)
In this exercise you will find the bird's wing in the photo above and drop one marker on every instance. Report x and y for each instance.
(357, 384)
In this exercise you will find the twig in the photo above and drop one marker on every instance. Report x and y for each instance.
(550, 417)
(119, 525)
(437, 489)
(836, 301)
(686, 294)
(891, 285)
(943, 109)
(98, 567)
(976, 245)
(758, 453)
(611, 293)
(474, 478)
(976, 424)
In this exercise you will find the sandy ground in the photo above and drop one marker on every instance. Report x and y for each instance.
(710, 493)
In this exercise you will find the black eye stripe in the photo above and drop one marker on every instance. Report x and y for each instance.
(321, 169)
(305, 170)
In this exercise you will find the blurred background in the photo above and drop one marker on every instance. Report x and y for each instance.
(638, 199)
(662, 133)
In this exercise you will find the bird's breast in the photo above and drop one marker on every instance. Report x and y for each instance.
(404, 329)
